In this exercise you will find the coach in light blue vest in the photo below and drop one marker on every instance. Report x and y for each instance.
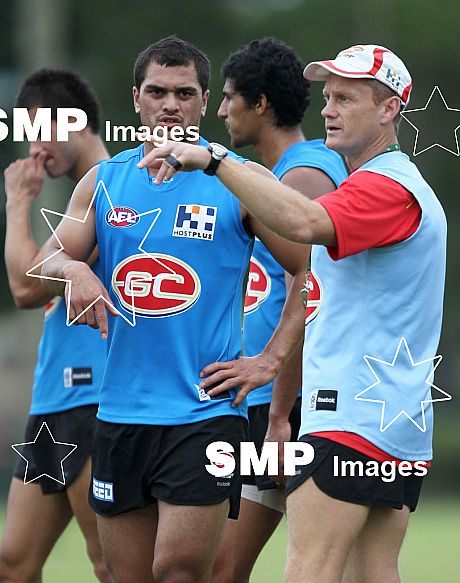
(370, 353)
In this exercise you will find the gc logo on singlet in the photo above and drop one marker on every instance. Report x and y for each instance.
(315, 295)
(156, 285)
(258, 287)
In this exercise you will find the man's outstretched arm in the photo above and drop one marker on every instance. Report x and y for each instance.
(282, 209)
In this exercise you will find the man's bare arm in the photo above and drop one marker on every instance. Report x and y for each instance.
(310, 182)
(23, 183)
(251, 372)
(66, 271)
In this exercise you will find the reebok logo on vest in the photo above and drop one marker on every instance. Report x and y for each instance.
(323, 400)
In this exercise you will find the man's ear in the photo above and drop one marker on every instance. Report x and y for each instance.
(136, 99)
(261, 105)
(204, 102)
(392, 107)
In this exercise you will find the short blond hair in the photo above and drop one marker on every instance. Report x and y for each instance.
(380, 92)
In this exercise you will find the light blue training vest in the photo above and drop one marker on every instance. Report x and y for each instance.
(371, 301)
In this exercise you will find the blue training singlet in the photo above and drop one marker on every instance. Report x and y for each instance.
(266, 291)
(71, 361)
(179, 274)
(368, 354)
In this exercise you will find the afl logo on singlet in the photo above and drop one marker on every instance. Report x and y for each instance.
(52, 306)
(258, 288)
(315, 294)
(157, 285)
(122, 216)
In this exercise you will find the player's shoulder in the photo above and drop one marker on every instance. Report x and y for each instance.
(311, 154)
(316, 150)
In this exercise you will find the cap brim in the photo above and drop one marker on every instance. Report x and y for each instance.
(320, 70)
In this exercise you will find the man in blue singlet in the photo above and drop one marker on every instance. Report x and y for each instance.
(265, 98)
(369, 354)
(175, 272)
(71, 360)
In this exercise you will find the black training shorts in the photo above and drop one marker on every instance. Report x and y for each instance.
(135, 465)
(258, 424)
(53, 462)
(364, 490)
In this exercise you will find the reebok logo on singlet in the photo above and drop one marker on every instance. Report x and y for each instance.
(77, 376)
(323, 400)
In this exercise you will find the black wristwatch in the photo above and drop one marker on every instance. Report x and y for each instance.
(218, 153)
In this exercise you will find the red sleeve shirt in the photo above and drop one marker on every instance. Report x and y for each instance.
(370, 210)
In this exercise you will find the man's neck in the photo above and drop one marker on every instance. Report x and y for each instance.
(380, 145)
(273, 142)
(92, 152)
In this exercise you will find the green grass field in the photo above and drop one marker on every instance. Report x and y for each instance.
(431, 552)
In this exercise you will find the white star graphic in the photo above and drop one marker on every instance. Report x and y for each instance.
(452, 127)
(435, 359)
(50, 438)
(44, 212)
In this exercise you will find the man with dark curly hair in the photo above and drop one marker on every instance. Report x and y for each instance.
(265, 98)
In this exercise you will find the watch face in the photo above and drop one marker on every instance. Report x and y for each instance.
(218, 150)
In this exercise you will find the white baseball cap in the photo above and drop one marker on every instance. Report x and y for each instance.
(365, 62)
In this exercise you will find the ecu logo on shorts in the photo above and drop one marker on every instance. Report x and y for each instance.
(315, 294)
(258, 287)
(155, 285)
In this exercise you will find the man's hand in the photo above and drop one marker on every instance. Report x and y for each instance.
(248, 373)
(24, 179)
(84, 288)
(279, 430)
(191, 157)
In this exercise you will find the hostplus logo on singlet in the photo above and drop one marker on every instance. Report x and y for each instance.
(195, 221)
